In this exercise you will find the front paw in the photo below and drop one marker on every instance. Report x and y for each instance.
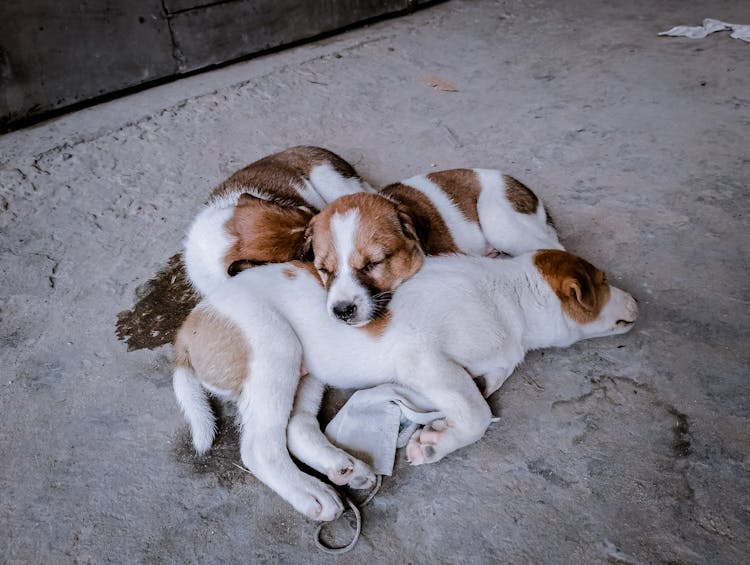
(352, 472)
(319, 502)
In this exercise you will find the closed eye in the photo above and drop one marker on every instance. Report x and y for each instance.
(371, 265)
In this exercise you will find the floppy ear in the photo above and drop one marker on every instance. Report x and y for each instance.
(580, 289)
(407, 225)
(306, 251)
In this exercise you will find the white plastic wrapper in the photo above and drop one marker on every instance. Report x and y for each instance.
(376, 421)
(710, 26)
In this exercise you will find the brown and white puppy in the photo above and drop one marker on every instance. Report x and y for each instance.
(366, 245)
(260, 213)
(459, 318)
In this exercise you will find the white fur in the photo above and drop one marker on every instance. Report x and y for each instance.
(345, 288)
(467, 235)
(307, 191)
(505, 229)
(458, 318)
(329, 184)
(326, 184)
(194, 404)
(206, 244)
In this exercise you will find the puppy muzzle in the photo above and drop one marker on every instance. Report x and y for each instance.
(345, 311)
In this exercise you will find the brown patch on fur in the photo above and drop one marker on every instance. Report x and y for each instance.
(215, 348)
(376, 328)
(581, 287)
(387, 251)
(264, 232)
(289, 273)
(521, 197)
(434, 235)
(278, 176)
(463, 187)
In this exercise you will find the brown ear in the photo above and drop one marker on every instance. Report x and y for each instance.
(581, 289)
(306, 251)
(407, 225)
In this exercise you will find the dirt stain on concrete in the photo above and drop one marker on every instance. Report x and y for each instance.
(621, 403)
(681, 444)
(162, 304)
(538, 467)
(223, 460)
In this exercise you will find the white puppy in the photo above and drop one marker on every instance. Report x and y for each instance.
(458, 318)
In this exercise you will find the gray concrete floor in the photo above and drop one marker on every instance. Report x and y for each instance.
(633, 449)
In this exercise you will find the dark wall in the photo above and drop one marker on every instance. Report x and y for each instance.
(54, 53)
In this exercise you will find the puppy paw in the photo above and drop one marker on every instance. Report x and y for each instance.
(320, 502)
(423, 445)
(363, 477)
(352, 472)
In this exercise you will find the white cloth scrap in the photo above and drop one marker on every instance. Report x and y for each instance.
(376, 421)
(710, 26)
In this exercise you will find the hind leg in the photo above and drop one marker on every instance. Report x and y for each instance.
(450, 389)
(308, 443)
(265, 405)
(512, 233)
(512, 228)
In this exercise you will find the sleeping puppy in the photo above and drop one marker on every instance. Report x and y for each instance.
(457, 319)
(260, 213)
(366, 245)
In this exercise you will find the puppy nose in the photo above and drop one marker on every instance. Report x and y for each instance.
(344, 310)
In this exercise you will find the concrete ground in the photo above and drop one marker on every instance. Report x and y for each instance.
(634, 449)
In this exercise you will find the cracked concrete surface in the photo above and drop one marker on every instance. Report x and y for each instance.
(632, 449)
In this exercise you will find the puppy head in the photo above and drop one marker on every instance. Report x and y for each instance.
(365, 246)
(264, 232)
(589, 302)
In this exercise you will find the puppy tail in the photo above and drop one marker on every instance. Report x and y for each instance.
(193, 400)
